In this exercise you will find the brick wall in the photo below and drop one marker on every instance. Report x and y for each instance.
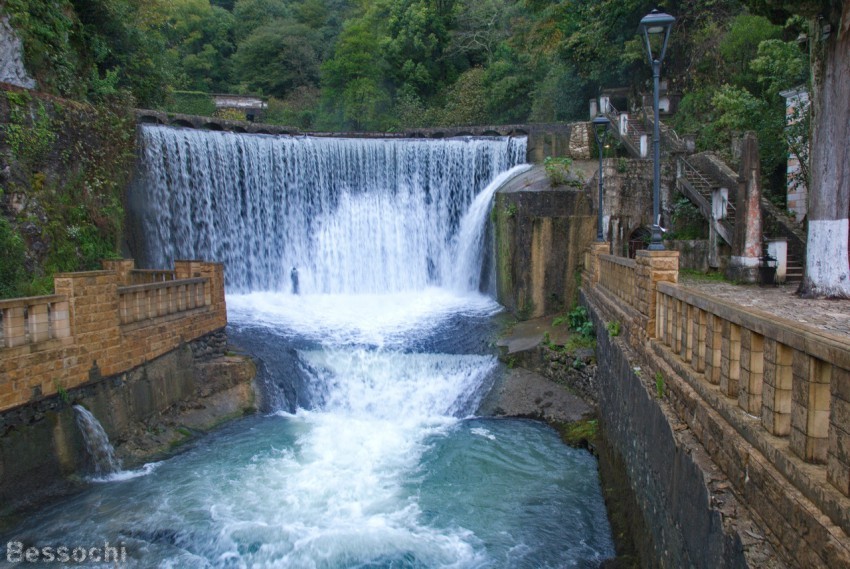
(99, 324)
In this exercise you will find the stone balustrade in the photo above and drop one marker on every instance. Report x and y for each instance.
(141, 302)
(768, 398)
(794, 378)
(103, 323)
(32, 320)
(620, 275)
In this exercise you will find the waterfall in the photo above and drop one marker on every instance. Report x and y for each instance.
(352, 215)
(100, 450)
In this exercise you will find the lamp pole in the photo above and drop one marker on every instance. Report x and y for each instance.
(656, 24)
(600, 131)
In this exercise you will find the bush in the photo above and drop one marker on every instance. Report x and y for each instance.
(190, 103)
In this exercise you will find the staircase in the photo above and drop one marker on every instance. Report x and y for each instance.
(635, 130)
(692, 183)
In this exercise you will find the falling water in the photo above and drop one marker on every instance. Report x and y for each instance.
(96, 441)
(352, 215)
(373, 458)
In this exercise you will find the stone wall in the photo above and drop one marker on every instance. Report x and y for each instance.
(101, 324)
(145, 411)
(758, 405)
(540, 232)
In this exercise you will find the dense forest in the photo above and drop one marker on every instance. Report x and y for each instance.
(383, 65)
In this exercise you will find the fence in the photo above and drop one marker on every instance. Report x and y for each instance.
(102, 323)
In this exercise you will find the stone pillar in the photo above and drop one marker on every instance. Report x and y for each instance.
(746, 243)
(122, 268)
(594, 250)
(653, 267)
(810, 401)
(776, 389)
(838, 457)
(93, 319)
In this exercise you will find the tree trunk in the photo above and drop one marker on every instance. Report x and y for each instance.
(827, 265)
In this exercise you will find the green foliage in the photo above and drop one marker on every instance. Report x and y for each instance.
(659, 384)
(277, 58)
(299, 109)
(48, 29)
(613, 328)
(68, 186)
(688, 222)
(29, 131)
(579, 433)
(559, 171)
(190, 103)
(12, 272)
(579, 321)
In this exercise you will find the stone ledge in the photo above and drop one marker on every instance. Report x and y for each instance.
(808, 479)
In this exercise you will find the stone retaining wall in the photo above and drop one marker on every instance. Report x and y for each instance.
(102, 323)
(766, 401)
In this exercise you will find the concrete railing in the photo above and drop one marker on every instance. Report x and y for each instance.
(33, 320)
(768, 398)
(795, 379)
(144, 301)
(99, 324)
(619, 278)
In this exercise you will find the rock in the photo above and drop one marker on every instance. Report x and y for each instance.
(523, 393)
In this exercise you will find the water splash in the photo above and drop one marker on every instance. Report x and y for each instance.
(100, 450)
(353, 215)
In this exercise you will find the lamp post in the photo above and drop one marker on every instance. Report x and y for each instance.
(656, 24)
(600, 131)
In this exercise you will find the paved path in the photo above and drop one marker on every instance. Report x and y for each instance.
(832, 316)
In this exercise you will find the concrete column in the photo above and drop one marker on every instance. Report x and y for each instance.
(699, 339)
(838, 456)
(752, 372)
(730, 359)
(713, 344)
(594, 250)
(653, 267)
(810, 400)
(776, 390)
(122, 268)
(747, 240)
(14, 327)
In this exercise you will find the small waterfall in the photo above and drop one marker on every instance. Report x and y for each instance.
(470, 239)
(354, 216)
(97, 443)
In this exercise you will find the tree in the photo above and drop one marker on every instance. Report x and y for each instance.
(200, 43)
(827, 264)
(278, 57)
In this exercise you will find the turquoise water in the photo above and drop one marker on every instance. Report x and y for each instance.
(382, 464)
(368, 453)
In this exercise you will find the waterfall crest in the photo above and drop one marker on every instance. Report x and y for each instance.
(352, 215)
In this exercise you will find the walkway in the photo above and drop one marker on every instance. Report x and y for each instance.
(832, 316)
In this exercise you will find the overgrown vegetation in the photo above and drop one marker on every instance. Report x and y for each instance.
(388, 64)
(62, 190)
(560, 173)
(582, 434)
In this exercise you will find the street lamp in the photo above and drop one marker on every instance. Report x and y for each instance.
(600, 131)
(656, 24)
